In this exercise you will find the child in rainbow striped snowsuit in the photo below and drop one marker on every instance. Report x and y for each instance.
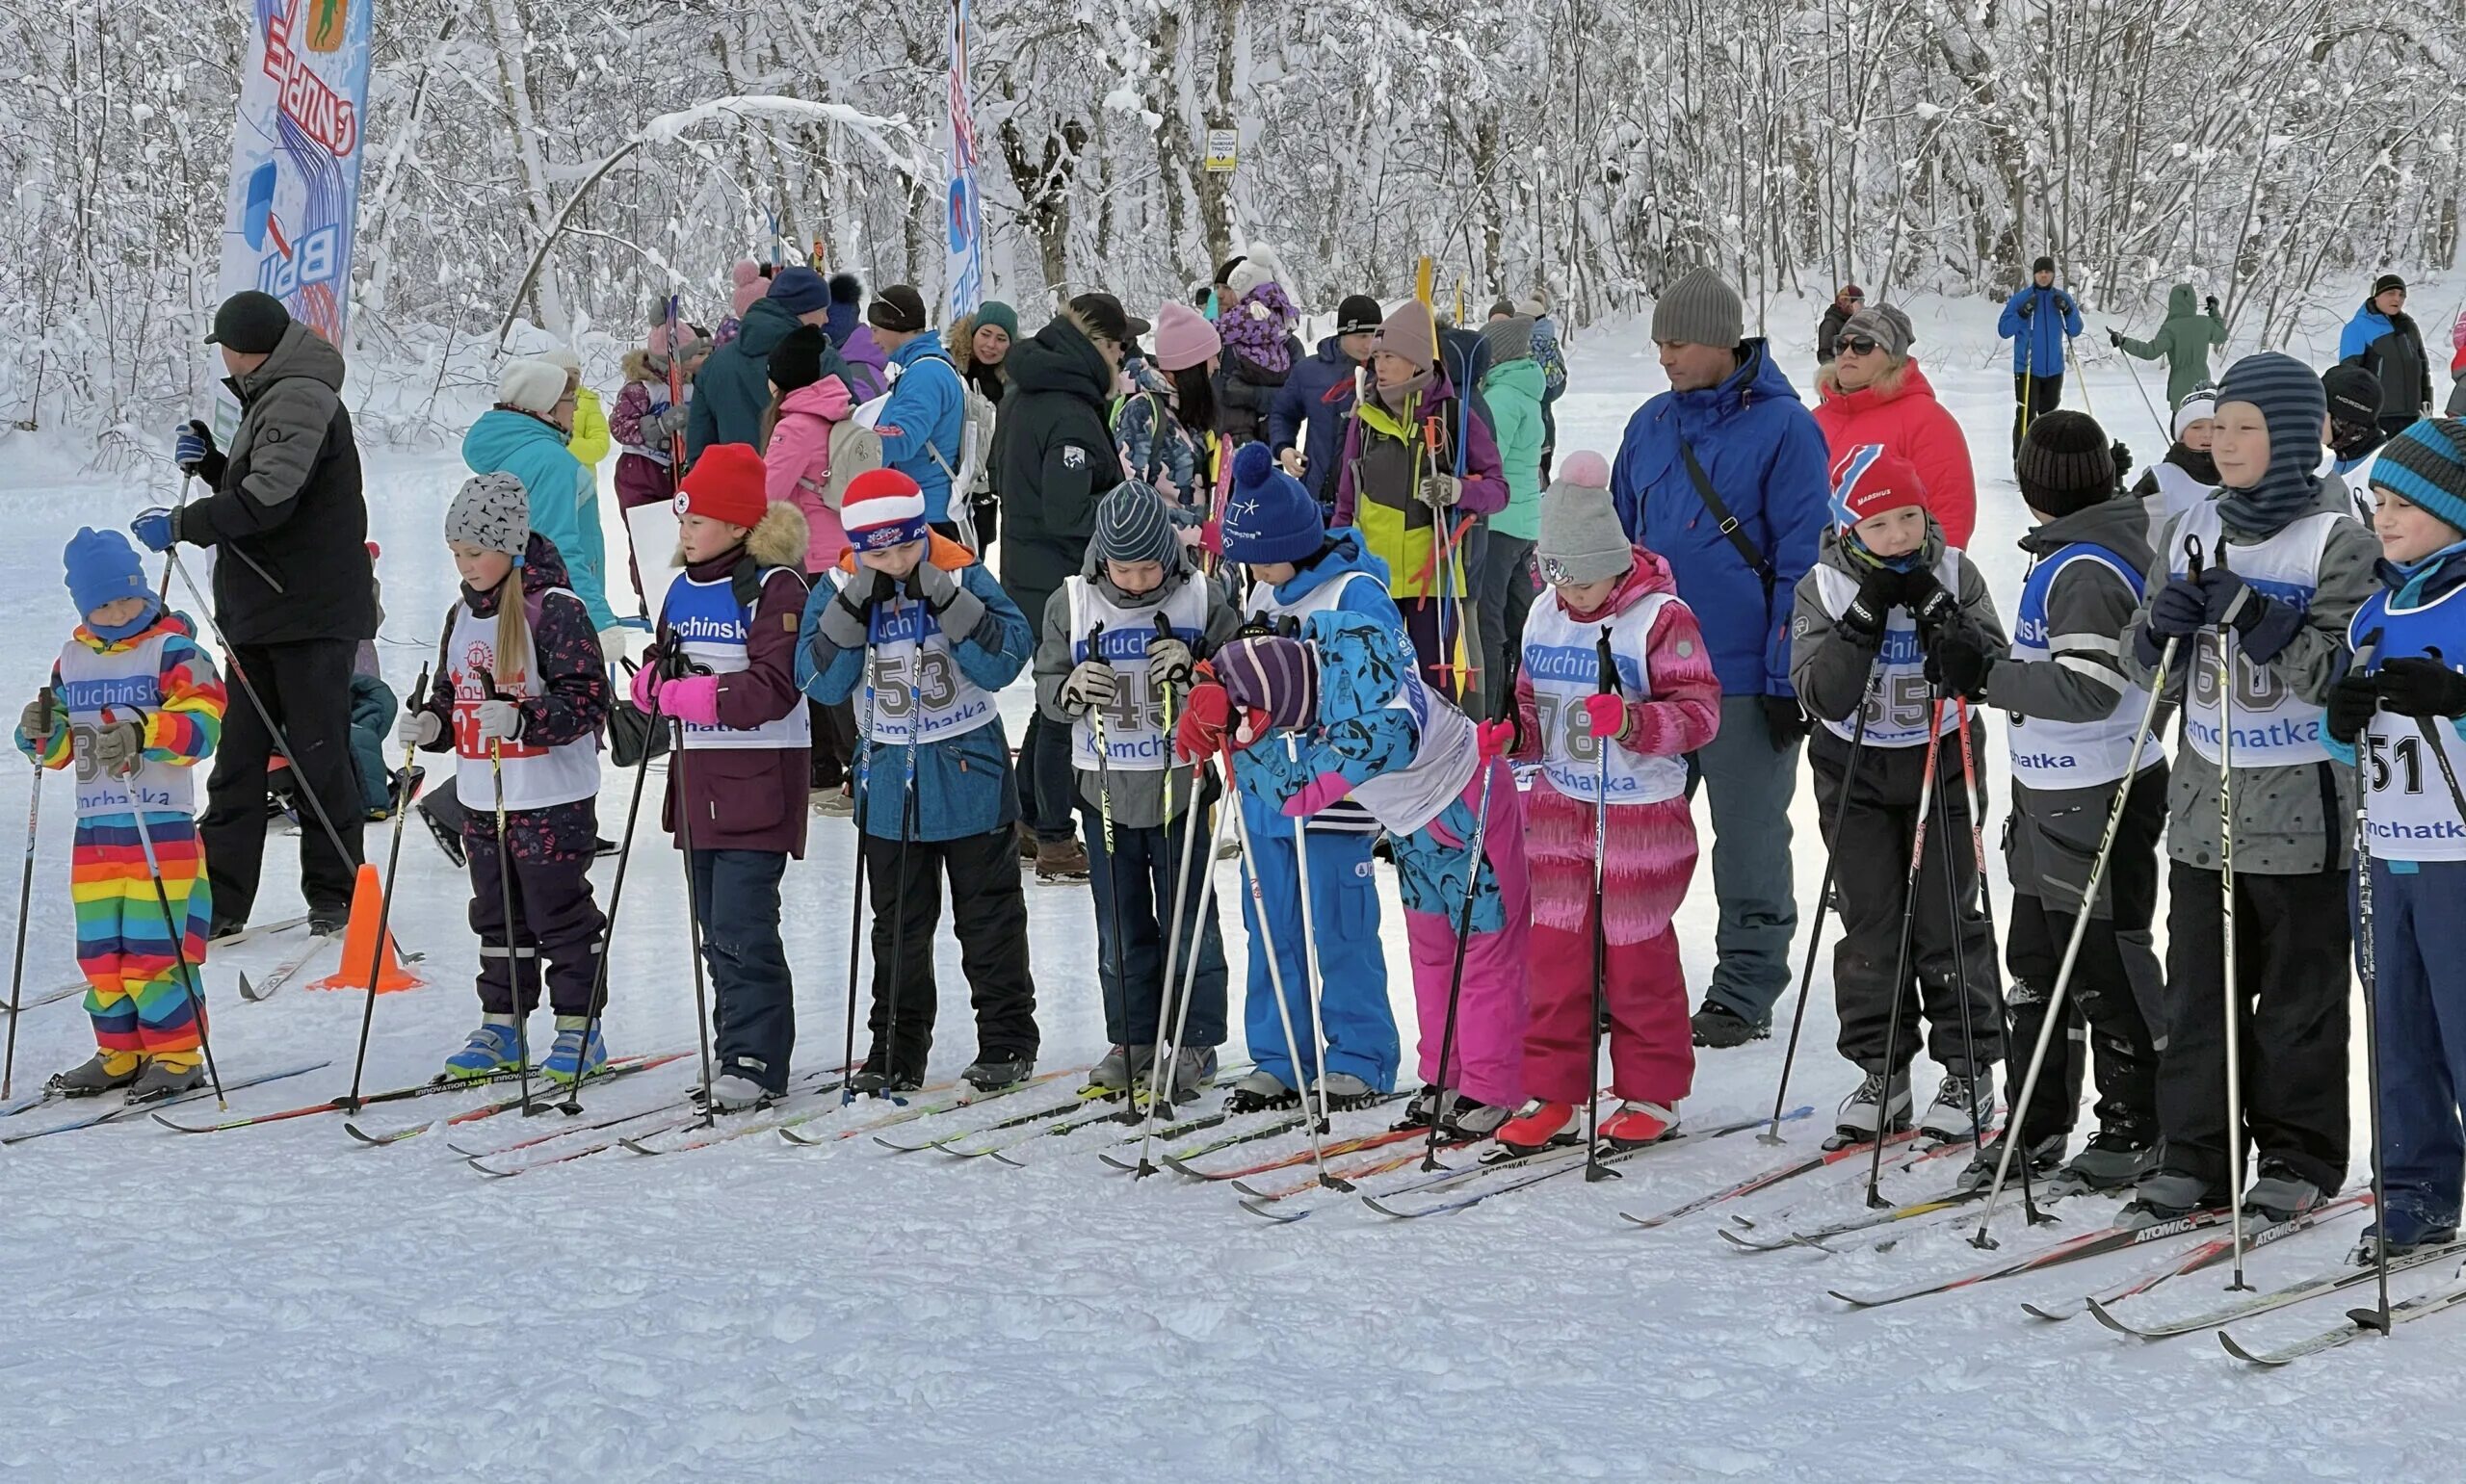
(135, 702)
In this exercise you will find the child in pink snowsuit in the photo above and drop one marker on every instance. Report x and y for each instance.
(1362, 725)
(1665, 703)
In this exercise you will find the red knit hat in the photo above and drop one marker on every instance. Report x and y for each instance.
(725, 484)
(883, 508)
(1870, 479)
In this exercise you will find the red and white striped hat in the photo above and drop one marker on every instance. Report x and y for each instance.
(883, 508)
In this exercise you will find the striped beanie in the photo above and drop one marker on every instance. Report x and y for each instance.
(1133, 525)
(2425, 465)
(883, 508)
(2291, 405)
(1276, 678)
(1870, 479)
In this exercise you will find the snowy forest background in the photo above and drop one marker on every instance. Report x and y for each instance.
(2272, 153)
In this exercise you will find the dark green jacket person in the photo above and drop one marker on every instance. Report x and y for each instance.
(2184, 342)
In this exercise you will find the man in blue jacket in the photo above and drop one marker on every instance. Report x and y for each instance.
(921, 422)
(2040, 320)
(1725, 475)
(1319, 396)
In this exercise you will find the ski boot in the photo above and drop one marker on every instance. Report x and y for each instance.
(494, 1048)
(1638, 1124)
(737, 1093)
(1060, 862)
(2164, 1196)
(1193, 1071)
(1116, 1071)
(1880, 1105)
(1469, 1120)
(873, 1080)
(2043, 1156)
(1259, 1092)
(160, 1081)
(2410, 1240)
(99, 1074)
(1345, 1093)
(2279, 1195)
(2114, 1160)
(570, 1060)
(1543, 1124)
(1423, 1111)
(1963, 1106)
(1719, 1027)
(990, 1072)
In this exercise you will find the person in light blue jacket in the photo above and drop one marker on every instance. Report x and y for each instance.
(2041, 320)
(520, 437)
(921, 423)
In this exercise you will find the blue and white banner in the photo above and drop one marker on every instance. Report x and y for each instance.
(965, 272)
(293, 200)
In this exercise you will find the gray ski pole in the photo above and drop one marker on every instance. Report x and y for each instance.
(25, 906)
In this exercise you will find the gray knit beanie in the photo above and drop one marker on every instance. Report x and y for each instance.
(1885, 325)
(1582, 541)
(492, 512)
(1509, 339)
(1700, 309)
(1133, 525)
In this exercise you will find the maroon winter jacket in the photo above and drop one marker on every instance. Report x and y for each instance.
(749, 798)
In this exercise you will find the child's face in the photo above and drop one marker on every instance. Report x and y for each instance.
(115, 612)
(1894, 532)
(2407, 532)
(2241, 444)
(704, 539)
(892, 561)
(692, 363)
(1587, 597)
(2199, 434)
(1135, 578)
(1275, 574)
(481, 570)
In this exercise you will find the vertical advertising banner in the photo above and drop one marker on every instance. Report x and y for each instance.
(965, 272)
(294, 199)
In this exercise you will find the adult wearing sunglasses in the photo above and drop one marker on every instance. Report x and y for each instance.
(2382, 338)
(1872, 392)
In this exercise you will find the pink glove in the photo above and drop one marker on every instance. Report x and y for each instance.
(1497, 738)
(1606, 716)
(646, 685)
(694, 699)
(1320, 791)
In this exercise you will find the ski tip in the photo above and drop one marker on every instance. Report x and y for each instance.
(2098, 1311)
(177, 1128)
(1004, 1156)
(1265, 1211)
(2248, 1357)
(2054, 1314)
(637, 1146)
(1373, 1203)
(249, 991)
(491, 1171)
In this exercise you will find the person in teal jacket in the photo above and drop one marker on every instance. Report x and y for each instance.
(1503, 588)
(520, 437)
(913, 630)
(2183, 342)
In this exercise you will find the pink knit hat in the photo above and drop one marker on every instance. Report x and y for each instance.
(1184, 338)
(749, 285)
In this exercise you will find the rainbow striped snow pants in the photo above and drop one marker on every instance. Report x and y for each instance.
(139, 1008)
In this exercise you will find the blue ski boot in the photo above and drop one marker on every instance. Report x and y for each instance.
(569, 1059)
(492, 1049)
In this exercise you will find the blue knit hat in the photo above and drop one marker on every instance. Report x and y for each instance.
(1270, 517)
(799, 290)
(2291, 405)
(2425, 466)
(103, 568)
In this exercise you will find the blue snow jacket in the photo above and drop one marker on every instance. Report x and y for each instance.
(1317, 394)
(925, 416)
(963, 783)
(2039, 338)
(1345, 554)
(564, 495)
(1765, 456)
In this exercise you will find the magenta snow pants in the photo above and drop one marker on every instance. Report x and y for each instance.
(1488, 1060)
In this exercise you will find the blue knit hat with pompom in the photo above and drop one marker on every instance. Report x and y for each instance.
(1269, 517)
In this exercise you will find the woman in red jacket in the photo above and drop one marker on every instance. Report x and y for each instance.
(1873, 393)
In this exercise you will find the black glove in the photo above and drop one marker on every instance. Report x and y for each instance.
(1926, 599)
(1959, 661)
(2029, 306)
(1878, 594)
(1784, 720)
(2064, 302)
(2114, 337)
(2179, 610)
(2211, 305)
(2351, 702)
(2122, 457)
(2421, 687)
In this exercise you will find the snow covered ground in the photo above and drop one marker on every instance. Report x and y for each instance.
(283, 1304)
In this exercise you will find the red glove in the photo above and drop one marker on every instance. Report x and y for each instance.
(1606, 716)
(1206, 712)
(1497, 738)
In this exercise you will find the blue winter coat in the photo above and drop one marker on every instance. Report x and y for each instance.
(733, 388)
(1346, 554)
(1317, 394)
(2037, 341)
(927, 411)
(565, 497)
(963, 785)
(1766, 459)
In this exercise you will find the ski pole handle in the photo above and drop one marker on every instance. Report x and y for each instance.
(1606, 670)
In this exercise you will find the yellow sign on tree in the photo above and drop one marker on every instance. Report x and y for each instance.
(1222, 150)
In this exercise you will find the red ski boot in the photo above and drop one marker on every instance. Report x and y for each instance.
(1543, 1124)
(1638, 1124)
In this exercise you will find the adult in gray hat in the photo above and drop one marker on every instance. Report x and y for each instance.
(293, 595)
(1725, 476)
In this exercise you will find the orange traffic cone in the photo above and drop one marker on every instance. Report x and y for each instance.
(361, 946)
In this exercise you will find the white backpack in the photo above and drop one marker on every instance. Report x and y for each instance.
(854, 448)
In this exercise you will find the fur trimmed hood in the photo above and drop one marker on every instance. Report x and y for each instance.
(777, 540)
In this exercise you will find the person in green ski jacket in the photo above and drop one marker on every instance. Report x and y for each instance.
(1502, 590)
(2183, 342)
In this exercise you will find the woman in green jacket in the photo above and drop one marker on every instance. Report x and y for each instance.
(1503, 586)
(2183, 341)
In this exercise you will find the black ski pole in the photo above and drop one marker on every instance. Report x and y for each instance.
(504, 899)
(1605, 683)
(351, 1103)
(1456, 980)
(680, 785)
(571, 1107)
(908, 812)
(1974, 789)
(1113, 874)
(1867, 697)
(2428, 726)
(1953, 922)
(1900, 982)
(25, 903)
(171, 926)
(864, 814)
(1161, 1074)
